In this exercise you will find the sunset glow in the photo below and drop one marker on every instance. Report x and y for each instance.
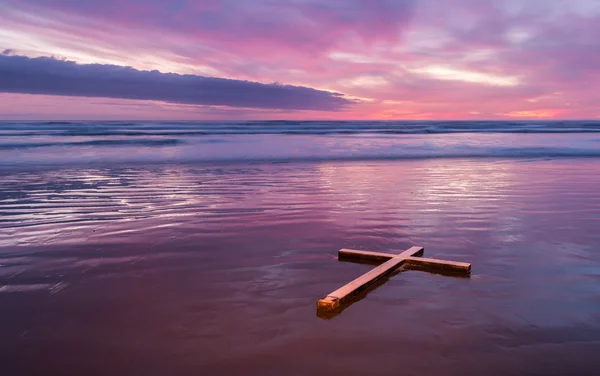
(351, 59)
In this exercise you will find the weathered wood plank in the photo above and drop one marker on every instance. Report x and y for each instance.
(441, 264)
(367, 255)
(333, 300)
(364, 255)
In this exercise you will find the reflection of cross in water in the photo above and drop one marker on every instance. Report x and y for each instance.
(392, 262)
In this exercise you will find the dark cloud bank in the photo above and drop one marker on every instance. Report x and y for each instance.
(44, 75)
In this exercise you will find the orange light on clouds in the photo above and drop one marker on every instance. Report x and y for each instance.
(536, 114)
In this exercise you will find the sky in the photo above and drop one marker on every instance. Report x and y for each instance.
(299, 59)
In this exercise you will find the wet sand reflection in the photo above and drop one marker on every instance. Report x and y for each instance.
(190, 269)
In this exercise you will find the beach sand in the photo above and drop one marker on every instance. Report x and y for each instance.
(191, 269)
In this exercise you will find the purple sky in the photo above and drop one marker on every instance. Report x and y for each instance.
(331, 59)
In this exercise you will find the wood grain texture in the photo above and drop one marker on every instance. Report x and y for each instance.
(380, 256)
(442, 264)
(333, 300)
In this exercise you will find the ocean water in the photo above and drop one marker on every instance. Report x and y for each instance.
(151, 248)
(44, 143)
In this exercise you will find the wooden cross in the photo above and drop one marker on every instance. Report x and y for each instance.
(392, 262)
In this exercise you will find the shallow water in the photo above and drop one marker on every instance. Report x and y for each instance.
(216, 269)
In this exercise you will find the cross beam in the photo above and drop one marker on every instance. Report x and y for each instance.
(391, 263)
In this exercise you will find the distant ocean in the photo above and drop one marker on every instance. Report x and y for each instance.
(142, 141)
(180, 248)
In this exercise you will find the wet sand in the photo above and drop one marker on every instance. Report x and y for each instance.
(216, 270)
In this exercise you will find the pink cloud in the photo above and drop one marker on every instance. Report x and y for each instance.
(385, 51)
